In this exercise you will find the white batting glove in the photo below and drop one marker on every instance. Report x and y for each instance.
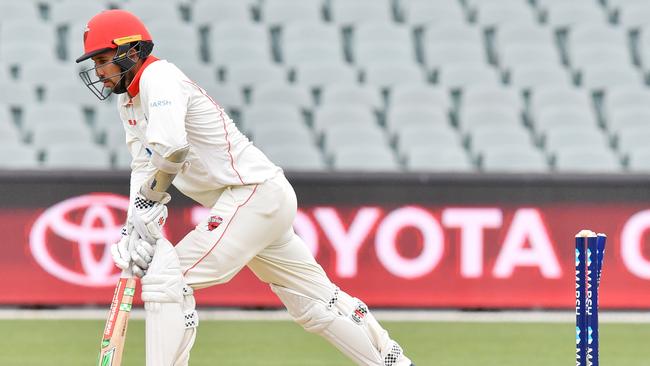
(148, 218)
(141, 255)
(121, 251)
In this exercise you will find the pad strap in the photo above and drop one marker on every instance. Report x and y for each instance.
(191, 319)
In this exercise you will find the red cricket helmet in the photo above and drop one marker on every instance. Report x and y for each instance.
(116, 30)
(110, 29)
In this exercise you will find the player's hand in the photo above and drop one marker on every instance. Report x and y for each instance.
(149, 218)
(121, 251)
(141, 255)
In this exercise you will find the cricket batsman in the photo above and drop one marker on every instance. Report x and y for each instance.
(177, 133)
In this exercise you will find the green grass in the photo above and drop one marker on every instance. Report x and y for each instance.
(71, 343)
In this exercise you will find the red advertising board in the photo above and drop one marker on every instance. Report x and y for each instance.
(407, 255)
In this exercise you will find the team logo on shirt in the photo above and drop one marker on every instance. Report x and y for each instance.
(160, 103)
(214, 222)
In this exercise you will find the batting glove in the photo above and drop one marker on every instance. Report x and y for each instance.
(149, 217)
(141, 255)
(121, 251)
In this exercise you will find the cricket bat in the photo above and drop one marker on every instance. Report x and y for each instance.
(112, 346)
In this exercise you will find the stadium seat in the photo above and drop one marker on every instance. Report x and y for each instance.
(319, 74)
(587, 138)
(201, 74)
(625, 97)
(351, 115)
(72, 42)
(614, 5)
(513, 159)
(376, 158)
(349, 13)
(545, 4)
(419, 94)
(632, 138)
(17, 94)
(76, 157)
(587, 34)
(8, 133)
(566, 14)
(565, 115)
(523, 34)
(271, 114)
(381, 32)
(302, 32)
(580, 160)
(5, 73)
(388, 76)
(516, 55)
(418, 13)
(431, 136)
(236, 31)
(382, 53)
(462, 75)
(552, 96)
(150, 11)
(175, 38)
(72, 133)
(493, 14)
(270, 135)
(121, 158)
(440, 55)
(296, 157)
(279, 12)
(227, 54)
(71, 91)
(22, 157)
(483, 138)
(74, 10)
(451, 33)
(206, 12)
(531, 77)
(115, 137)
(300, 53)
(13, 10)
(106, 116)
(34, 72)
(282, 93)
(605, 54)
(601, 78)
(406, 116)
(492, 95)
(355, 94)
(342, 137)
(251, 73)
(631, 117)
(373, 39)
(635, 15)
(638, 160)
(16, 53)
(497, 116)
(443, 159)
(51, 113)
(19, 31)
(228, 96)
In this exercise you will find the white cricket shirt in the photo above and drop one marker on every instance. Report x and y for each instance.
(164, 110)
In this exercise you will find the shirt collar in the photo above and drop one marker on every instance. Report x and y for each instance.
(134, 86)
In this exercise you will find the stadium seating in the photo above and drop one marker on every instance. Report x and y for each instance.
(454, 85)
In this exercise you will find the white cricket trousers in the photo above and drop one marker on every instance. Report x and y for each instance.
(255, 231)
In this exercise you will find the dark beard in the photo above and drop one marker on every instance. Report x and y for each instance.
(120, 87)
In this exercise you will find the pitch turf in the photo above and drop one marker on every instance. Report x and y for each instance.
(279, 343)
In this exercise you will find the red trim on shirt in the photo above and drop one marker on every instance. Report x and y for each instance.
(223, 121)
(134, 86)
(223, 233)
